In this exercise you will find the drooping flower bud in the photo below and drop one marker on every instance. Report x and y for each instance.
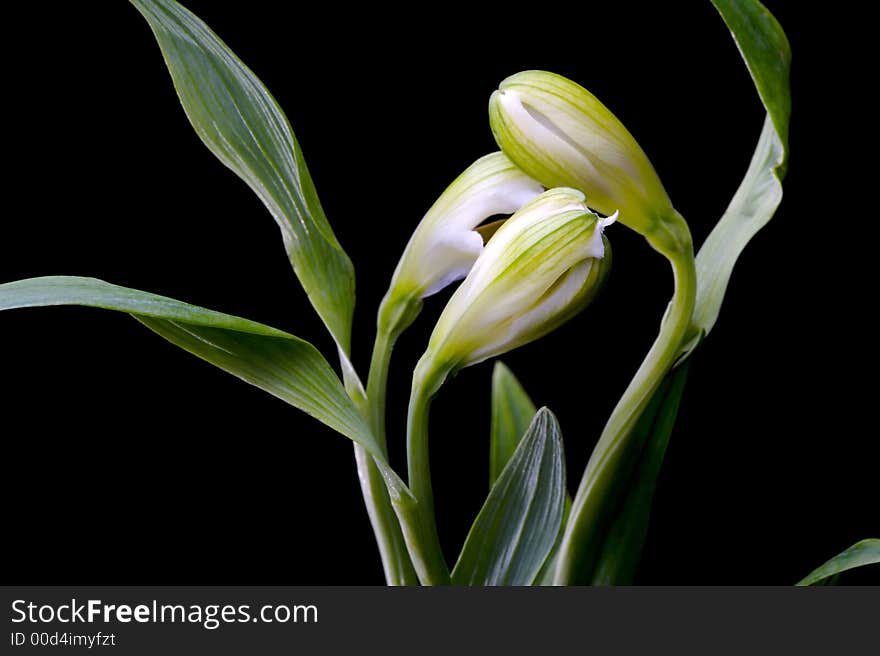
(561, 135)
(541, 267)
(445, 244)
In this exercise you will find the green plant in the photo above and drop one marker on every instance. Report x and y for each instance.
(541, 266)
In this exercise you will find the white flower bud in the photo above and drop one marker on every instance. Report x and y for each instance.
(542, 267)
(561, 135)
(445, 244)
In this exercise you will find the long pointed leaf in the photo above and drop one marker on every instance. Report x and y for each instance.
(518, 525)
(866, 552)
(239, 121)
(277, 362)
(622, 547)
(766, 51)
(512, 412)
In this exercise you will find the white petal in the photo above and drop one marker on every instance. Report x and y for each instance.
(449, 260)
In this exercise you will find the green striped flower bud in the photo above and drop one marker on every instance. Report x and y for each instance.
(561, 135)
(541, 267)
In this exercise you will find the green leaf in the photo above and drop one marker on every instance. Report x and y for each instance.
(866, 552)
(512, 412)
(240, 122)
(518, 525)
(281, 364)
(764, 47)
(622, 547)
(548, 570)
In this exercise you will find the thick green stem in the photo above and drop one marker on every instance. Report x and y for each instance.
(377, 383)
(393, 551)
(395, 556)
(418, 461)
(419, 533)
(409, 543)
(382, 517)
(416, 547)
(396, 560)
(583, 532)
(436, 571)
(392, 548)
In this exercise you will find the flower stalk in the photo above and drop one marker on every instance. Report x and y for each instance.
(396, 560)
(581, 539)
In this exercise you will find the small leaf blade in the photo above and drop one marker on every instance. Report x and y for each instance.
(518, 525)
(512, 412)
(283, 365)
(866, 552)
(241, 124)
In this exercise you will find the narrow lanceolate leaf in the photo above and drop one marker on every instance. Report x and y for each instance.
(622, 548)
(273, 360)
(240, 122)
(512, 412)
(518, 525)
(866, 552)
(765, 49)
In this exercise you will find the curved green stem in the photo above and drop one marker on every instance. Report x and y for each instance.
(375, 493)
(392, 545)
(392, 548)
(583, 531)
(396, 561)
(418, 532)
(418, 551)
(409, 543)
(427, 540)
(377, 382)
(418, 461)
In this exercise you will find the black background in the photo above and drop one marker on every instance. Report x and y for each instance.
(126, 461)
